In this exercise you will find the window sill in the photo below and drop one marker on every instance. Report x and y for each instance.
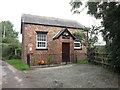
(77, 48)
(41, 48)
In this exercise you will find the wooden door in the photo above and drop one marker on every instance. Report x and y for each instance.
(65, 52)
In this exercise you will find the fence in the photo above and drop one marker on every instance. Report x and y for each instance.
(101, 58)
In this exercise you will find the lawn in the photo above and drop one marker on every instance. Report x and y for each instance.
(82, 62)
(18, 64)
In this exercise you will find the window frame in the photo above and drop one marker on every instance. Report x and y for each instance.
(75, 42)
(41, 41)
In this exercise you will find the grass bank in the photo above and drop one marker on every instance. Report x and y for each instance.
(18, 64)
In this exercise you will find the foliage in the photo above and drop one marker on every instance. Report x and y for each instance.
(100, 49)
(18, 64)
(109, 12)
(82, 62)
(34, 61)
(81, 37)
(11, 47)
(40, 62)
(8, 32)
(100, 56)
(93, 32)
(75, 5)
(49, 59)
(92, 39)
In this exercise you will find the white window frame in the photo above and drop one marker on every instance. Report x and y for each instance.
(41, 41)
(75, 42)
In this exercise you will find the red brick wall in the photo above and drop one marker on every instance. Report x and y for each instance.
(54, 46)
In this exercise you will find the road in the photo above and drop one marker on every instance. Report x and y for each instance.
(66, 76)
(13, 78)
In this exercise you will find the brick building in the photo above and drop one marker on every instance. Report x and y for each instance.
(45, 37)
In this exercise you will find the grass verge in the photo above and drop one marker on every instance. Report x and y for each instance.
(18, 64)
(82, 62)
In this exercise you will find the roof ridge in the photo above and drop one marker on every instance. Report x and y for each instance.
(52, 21)
(50, 17)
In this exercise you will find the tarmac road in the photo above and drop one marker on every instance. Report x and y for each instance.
(66, 76)
(13, 78)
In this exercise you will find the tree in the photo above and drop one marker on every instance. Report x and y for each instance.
(80, 37)
(93, 36)
(8, 34)
(109, 12)
(11, 47)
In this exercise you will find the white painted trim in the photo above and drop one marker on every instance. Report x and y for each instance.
(55, 35)
(77, 47)
(41, 48)
(41, 41)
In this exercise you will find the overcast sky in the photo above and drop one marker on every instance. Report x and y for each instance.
(13, 9)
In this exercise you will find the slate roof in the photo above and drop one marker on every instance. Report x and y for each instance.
(34, 19)
(56, 36)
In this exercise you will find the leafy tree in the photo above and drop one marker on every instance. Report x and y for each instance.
(91, 40)
(11, 47)
(8, 34)
(93, 36)
(81, 37)
(109, 12)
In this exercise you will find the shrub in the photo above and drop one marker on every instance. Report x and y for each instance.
(48, 59)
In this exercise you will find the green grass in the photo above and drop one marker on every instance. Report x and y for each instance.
(18, 64)
(82, 62)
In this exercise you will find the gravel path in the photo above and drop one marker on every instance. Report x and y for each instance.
(73, 76)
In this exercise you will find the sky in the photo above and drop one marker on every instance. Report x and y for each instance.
(13, 9)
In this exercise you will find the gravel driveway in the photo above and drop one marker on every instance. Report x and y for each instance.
(73, 76)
